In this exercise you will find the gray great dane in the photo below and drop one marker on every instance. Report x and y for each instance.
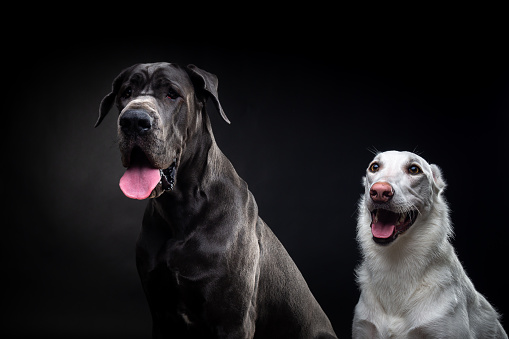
(210, 267)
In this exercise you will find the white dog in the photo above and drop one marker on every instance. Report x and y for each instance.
(412, 283)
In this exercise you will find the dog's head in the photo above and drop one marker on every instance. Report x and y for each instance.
(399, 190)
(160, 107)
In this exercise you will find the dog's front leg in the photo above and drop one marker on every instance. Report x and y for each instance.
(232, 305)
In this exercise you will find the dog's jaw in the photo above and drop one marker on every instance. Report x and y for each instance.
(387, 225)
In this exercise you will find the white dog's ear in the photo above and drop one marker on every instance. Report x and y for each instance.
(438, 179)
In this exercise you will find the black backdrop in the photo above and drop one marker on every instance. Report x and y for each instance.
(306, 110)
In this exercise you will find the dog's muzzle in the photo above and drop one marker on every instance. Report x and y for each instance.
(387, 225)
(142, 180)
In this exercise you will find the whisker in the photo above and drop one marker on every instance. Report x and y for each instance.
(373, 150)
(416, 151)
(416, 209)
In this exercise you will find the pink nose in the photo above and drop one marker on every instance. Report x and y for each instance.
(381, 192)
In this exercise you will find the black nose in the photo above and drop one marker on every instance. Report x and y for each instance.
(135, 121)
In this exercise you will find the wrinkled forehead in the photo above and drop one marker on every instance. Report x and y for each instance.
(396, 159)
(155, 74)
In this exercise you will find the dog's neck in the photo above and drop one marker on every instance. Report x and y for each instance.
(396, 271)
(201, 168)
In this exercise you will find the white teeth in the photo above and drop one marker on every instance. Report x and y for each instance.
(401, 219)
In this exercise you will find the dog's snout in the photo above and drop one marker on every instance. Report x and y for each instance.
(381, 192)
(135, 121)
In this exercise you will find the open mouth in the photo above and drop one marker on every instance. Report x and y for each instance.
(386, 225)
(141, 178)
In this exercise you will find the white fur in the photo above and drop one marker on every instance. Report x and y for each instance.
(415, 287)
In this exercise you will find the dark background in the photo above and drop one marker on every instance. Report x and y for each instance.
(307, 103)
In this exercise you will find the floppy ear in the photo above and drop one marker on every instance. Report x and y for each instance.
(438, 180)
(203, 80)
(109, 99)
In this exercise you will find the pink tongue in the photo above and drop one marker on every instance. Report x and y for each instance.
(139, 180)
(381, 230)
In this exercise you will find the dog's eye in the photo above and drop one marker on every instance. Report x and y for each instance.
(127, 93)
(414, 169)
(374, 167)
(172, 94)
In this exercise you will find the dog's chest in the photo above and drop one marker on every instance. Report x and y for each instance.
(173, 281)
(394, 327)
(401, 315)
(175, 296)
